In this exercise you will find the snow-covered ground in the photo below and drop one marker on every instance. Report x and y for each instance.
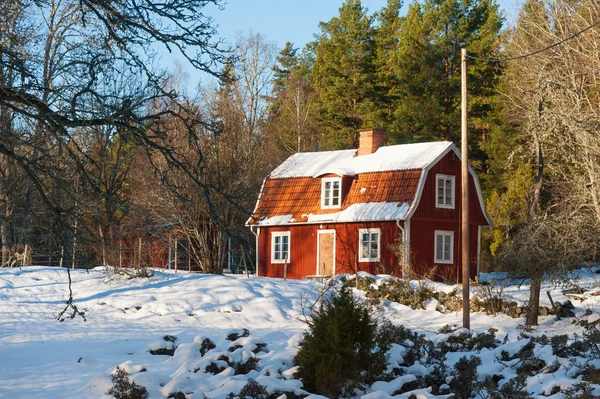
(43, 358)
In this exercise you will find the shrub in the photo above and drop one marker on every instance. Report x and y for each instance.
(252, 390)
(582, 390)
(400, 291)
(131, 273)
(170, 338)
(591, 339)
(123, 388)
(389, 334)
(206, 345)
(511, 389)
(465, 377)
(436, 378)
(246, 367)
(338, 352)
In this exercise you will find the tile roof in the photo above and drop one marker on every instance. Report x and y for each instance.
(298, 199)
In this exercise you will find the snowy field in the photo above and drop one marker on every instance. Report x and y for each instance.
(126, 319)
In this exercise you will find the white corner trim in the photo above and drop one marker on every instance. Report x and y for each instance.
(425, 172)
(260, 194)
(407, 233)
(420, 188)
(478, 250)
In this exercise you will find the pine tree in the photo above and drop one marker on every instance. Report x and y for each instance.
(344, 75)
(292, 112)
(386, 41)
(428, 68)
(287, 63)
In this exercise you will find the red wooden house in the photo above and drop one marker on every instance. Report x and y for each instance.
(380, 209)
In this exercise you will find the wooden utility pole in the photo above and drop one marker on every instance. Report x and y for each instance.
(465, 193)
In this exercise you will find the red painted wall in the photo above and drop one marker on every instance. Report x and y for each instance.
(303, 249)
(448, 165)
(427, 218)
(422, 239)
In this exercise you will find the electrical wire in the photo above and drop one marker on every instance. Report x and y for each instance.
(518, 57)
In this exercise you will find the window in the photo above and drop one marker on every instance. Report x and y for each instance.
(444, 246)
(444, 187)
(331, 192)
(368, 245)
(280, 247)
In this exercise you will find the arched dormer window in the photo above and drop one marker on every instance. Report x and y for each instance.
(331, 192)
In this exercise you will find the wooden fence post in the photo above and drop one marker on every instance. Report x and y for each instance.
(244, 260)
(176, 241)
(139, 260)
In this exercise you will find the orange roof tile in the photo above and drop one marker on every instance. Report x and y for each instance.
(301, 196)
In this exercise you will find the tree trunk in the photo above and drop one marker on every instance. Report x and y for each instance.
(537, 194)
(103, 243)
(5, 244)
(593, 185)
(534, 301)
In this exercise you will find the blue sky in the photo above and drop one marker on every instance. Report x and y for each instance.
(280, 21)
(295, 21)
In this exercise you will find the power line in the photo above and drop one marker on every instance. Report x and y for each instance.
(537, 51)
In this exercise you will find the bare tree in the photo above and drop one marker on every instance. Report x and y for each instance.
(230, 158)
(552, 100)
(61, 86)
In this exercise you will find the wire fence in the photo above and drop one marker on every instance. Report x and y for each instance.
(236, 261)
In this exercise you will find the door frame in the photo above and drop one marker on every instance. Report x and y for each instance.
(319, 232)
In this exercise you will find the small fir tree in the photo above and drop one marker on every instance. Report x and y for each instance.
(339, 352)
(123, 388)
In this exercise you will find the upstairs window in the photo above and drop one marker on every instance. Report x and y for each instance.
(331, 192)
(280, 247)
(444, 246)
(369, 245)
(444, 188)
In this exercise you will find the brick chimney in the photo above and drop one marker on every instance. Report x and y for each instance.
(370, 140)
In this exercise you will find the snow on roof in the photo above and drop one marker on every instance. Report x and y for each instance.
(365, 212)
(393, 157)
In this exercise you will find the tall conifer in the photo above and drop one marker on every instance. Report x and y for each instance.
(428, 68)
(344, 74)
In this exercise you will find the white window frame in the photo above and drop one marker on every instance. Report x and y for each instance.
(289, 251)
(331, 180)
(370, 231)
(452, 195)
(443, 233)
